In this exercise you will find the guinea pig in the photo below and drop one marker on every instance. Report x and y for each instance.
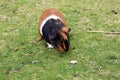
(53, 28)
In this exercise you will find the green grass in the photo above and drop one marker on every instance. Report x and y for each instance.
(23, 58)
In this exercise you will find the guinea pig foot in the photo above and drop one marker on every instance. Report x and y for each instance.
(50, 46)
(39, 39)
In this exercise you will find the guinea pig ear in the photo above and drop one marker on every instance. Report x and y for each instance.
(66, 30)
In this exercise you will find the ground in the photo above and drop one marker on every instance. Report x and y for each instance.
(97, 54)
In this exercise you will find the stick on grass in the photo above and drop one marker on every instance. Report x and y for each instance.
(103, 32)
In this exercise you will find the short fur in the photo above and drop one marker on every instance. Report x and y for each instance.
(54, 31)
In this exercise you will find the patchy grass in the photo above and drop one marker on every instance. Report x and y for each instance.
(23, 58)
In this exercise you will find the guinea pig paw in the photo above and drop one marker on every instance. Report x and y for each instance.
(50, 46)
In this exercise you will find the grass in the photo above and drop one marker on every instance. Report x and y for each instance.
(23, 58)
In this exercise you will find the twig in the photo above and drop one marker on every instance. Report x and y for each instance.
(103, 32)
(61, 77)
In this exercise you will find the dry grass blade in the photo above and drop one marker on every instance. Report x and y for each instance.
(103, 32)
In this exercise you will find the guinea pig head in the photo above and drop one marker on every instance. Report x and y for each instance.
(60, 39)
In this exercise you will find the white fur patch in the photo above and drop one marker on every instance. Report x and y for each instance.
(50, 46)
(44, 21)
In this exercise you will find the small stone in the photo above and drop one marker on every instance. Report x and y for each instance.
(16, 49)
(22, 43)
(73, 47)
(115, 12)
(34, 61)
(73, 61)
(75, 75)
(90, 29)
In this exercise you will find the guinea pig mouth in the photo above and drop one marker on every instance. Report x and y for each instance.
(60, 47)
(63, 47)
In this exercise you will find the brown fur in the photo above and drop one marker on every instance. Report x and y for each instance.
(64, 35)
(47, 13)
(64, 31)
(60, 48)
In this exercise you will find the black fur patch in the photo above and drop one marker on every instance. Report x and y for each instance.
(52, 35)
(51, 28)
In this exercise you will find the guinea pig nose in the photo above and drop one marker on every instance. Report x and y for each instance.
(60, 48)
